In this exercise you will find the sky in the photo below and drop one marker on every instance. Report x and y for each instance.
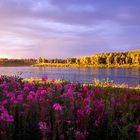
(68, 28)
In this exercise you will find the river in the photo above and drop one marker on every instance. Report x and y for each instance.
(83, 75)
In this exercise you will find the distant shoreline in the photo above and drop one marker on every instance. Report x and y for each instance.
(85, 66)
(15, 65)
(130, 59)
(71, 65)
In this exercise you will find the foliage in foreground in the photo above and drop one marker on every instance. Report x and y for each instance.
(59, 110)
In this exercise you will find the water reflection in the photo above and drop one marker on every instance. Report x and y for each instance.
(85, 75)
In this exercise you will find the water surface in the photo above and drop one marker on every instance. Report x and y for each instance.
(84, 75)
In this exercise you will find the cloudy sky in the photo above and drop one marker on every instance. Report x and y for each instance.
(68, 28)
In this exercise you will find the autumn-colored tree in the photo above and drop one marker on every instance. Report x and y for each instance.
(92, 59)
(39, 60)
(78, 61)
(69, 60)
(110, 59)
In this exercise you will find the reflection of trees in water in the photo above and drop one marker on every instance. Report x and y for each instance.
(131, 76)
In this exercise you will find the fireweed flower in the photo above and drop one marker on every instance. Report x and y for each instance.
(99, 111)
(26, 88)
(42, 126)
(99, 105)
(45, 78)
(80, 114)
(20, 97)
(138, 129)
(4, 102)
(59, 86)
(6, 117)
(43, 92)
(57, 107)
(85, 89)
(113, 100)
(88, 109)
(81, 135)
(87, 100)
(29, 97)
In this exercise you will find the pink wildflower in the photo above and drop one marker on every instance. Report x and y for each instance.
(29, 97)
(20, 97)
(26, 88)
(6, 117)
(80, 114)
(81, 135)
(113, 100)
(57, 107)
(138, 129)
(97, 123)
(45, 78)
(88, 109)
(58, 86)
(4, 102)
(87, 100)
(42, 125)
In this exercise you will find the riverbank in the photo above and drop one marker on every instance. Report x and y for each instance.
(71, 65)
(105, 83)
(15, 65)
(85, 66)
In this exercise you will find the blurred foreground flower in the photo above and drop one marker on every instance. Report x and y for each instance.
(57, 107)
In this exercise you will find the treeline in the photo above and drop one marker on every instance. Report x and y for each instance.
(111, 58)
(16, 62)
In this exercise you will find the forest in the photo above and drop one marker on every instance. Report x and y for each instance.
(111, 58)
(16, 62)
(101, 59)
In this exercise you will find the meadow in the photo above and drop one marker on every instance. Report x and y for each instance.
(57, 110)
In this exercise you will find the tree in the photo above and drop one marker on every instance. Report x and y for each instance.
(110, 59)
(39, 60)
(78, 61)
(69, 60)
(43, 60)
(87, 60)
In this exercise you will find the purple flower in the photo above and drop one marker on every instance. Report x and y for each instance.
(26, 88)
(58, 86)
(57, 107)
(80, 114)
(138, 129)
(97, 123)
(44, 78)
(87, 100)
(81, 135)
(4, 102)
(20, 97)
(29, 97)
(6, 117)
(88, 109)
(42, 126)
(113, 100)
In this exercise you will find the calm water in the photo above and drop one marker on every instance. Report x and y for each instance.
(85, 75)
